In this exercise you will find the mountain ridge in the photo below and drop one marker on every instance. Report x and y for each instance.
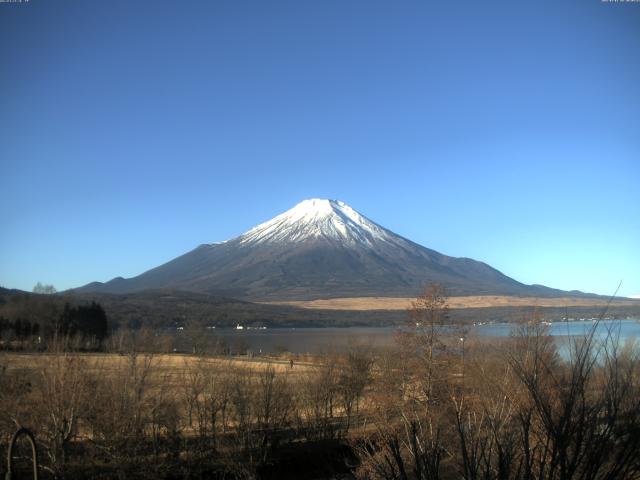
(321, 249)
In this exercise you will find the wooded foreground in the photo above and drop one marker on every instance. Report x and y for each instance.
(430, 407)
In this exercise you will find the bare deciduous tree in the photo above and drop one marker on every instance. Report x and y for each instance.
(44, 289)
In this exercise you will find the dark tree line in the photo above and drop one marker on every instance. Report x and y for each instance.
(82, 321)
(19, 329)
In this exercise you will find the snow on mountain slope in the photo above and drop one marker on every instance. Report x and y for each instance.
(319, 219)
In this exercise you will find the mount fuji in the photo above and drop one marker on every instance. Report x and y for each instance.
(320, 249)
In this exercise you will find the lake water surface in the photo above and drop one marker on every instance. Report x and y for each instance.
(318, 340)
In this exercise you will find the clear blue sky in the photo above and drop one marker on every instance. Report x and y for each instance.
(132, 131)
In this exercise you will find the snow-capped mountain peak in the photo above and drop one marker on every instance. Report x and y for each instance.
(318, 219)
(319, 249)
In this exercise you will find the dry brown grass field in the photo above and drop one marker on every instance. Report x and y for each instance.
(165, 366)
(479, 301)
